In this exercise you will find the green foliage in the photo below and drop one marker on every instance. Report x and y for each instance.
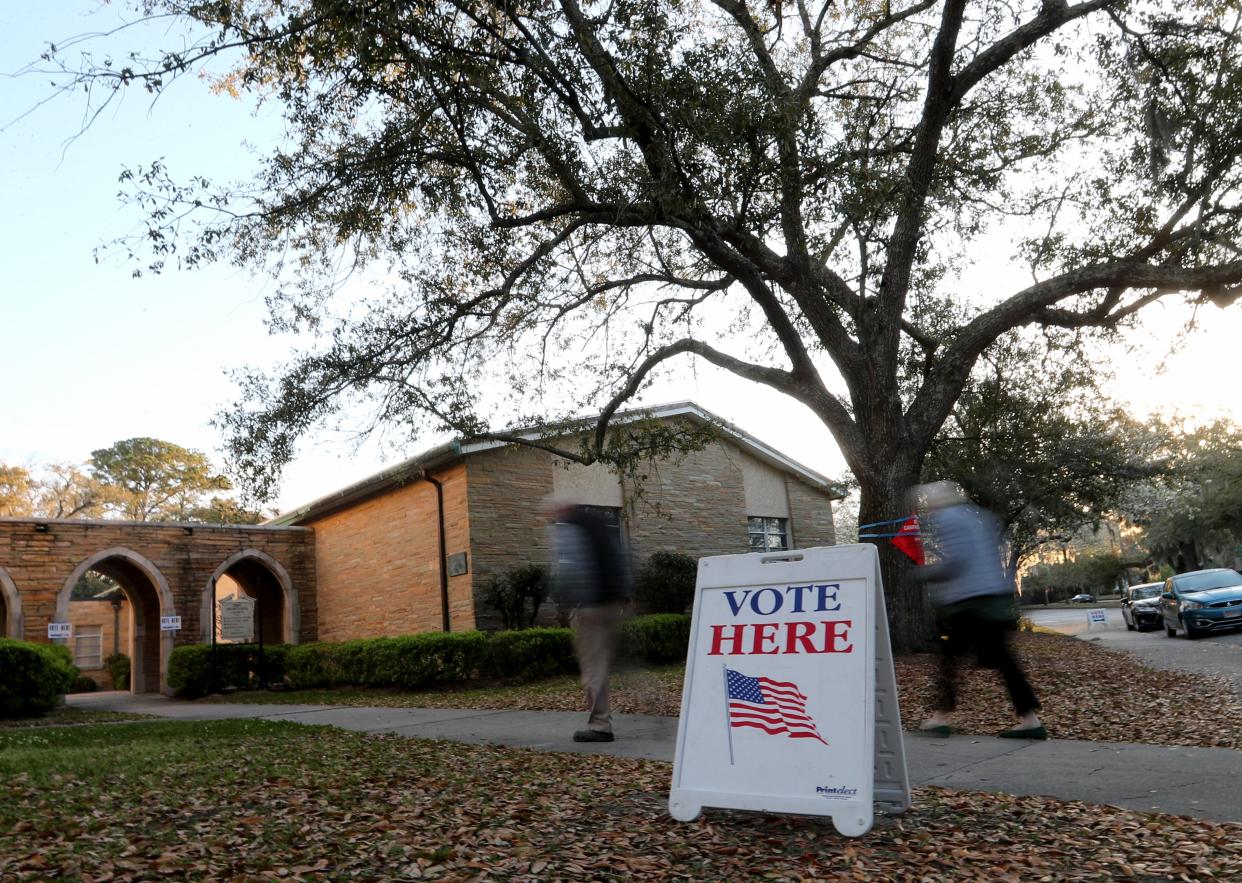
(33, 677)
(155, 480)
(412, 661)
(196, 670)
(656, 639)
(1097, 574)
(517, 595)
(91, 584)
(1033, 439)
(83, 684)
(665, 583)
(1197, 503)
(530, 653)
(118, 667)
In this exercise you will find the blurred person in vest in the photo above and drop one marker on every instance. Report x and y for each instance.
(591, 576)
(973, 595)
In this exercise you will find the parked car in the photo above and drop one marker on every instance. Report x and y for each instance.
(1140, 606)
(1084, 598)
(1202, 601)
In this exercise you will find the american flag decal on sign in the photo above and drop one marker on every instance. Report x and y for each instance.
(776, 707)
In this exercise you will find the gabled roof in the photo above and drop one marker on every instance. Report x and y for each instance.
(415, 468)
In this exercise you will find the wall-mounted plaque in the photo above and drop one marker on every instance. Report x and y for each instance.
(457, 564)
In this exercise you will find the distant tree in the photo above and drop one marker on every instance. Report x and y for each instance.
(1198, 504)
(564, 199)
(225, 510)
(151, 479)
(67, 490)
(16, 492)
(92, 584)
(1034, 439)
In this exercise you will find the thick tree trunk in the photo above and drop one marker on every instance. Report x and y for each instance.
(884, 487)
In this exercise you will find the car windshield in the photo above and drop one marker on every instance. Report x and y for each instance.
(1139, 592)
(1207, 579)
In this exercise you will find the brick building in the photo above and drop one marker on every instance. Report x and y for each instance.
(411, 548)
(163, 570)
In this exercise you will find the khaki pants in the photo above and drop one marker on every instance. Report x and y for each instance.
(595, 640)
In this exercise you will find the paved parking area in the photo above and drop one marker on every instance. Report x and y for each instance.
(1218, 655)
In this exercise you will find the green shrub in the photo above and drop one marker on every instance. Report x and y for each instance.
(118, 669)
(199, 669)
(531, 653)
(517, 595)
(665, 583)
(309, 666)
(33, 677)
(83, 684)
(658, 639)
(408, 662)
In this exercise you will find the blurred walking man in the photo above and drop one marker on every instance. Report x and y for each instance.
(973, 593)
(591, 575)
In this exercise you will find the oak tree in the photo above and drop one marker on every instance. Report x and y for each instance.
(555, 201)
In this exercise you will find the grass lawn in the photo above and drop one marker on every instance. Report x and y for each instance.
(1088, 692)
(243, 800)
(65, 716)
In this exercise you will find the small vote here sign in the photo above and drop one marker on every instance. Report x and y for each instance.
(778, 708)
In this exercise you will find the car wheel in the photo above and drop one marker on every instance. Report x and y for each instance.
(1192, 634)
(1172, 633)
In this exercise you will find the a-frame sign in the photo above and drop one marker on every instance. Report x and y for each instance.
(790, 698)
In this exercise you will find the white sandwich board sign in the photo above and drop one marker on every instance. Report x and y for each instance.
(790, 699)
(1096, 616)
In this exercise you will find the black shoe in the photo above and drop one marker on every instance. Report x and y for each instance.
(592, 736)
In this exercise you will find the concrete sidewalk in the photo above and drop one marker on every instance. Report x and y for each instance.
(1201, 782)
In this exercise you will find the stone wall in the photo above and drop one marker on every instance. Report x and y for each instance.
(166, 570)
(378, 562)
(810, 515)
(508, 487)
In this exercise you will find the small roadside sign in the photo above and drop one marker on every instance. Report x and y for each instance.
(790, 701)
(170, 623)
(59, 629)
(1097, 616)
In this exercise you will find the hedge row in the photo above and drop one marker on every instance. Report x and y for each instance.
(414, 661)
(33, 677)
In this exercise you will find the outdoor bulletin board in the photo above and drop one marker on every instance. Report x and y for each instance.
(790, 701)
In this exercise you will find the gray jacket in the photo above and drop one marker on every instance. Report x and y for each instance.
(969, 555)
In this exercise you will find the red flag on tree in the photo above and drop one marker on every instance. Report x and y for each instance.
(908, 539)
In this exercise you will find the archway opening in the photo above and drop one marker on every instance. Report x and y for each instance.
(250, 578)
(4, 618)
(138, 621)
(101, 615)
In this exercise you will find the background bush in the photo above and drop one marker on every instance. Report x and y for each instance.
(33, 677)
(118, 669)
(83, 684)
(413, 661)
(517, 595)
(531, 653)
(665, 583)
(657, 639)
(196, 670)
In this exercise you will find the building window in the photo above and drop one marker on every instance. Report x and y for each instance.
(88, 647)
(767, 534)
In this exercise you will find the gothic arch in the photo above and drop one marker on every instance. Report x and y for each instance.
(11, 626)
(291, 621)
(146, 612)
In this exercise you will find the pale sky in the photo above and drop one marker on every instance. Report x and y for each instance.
(91, 355)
